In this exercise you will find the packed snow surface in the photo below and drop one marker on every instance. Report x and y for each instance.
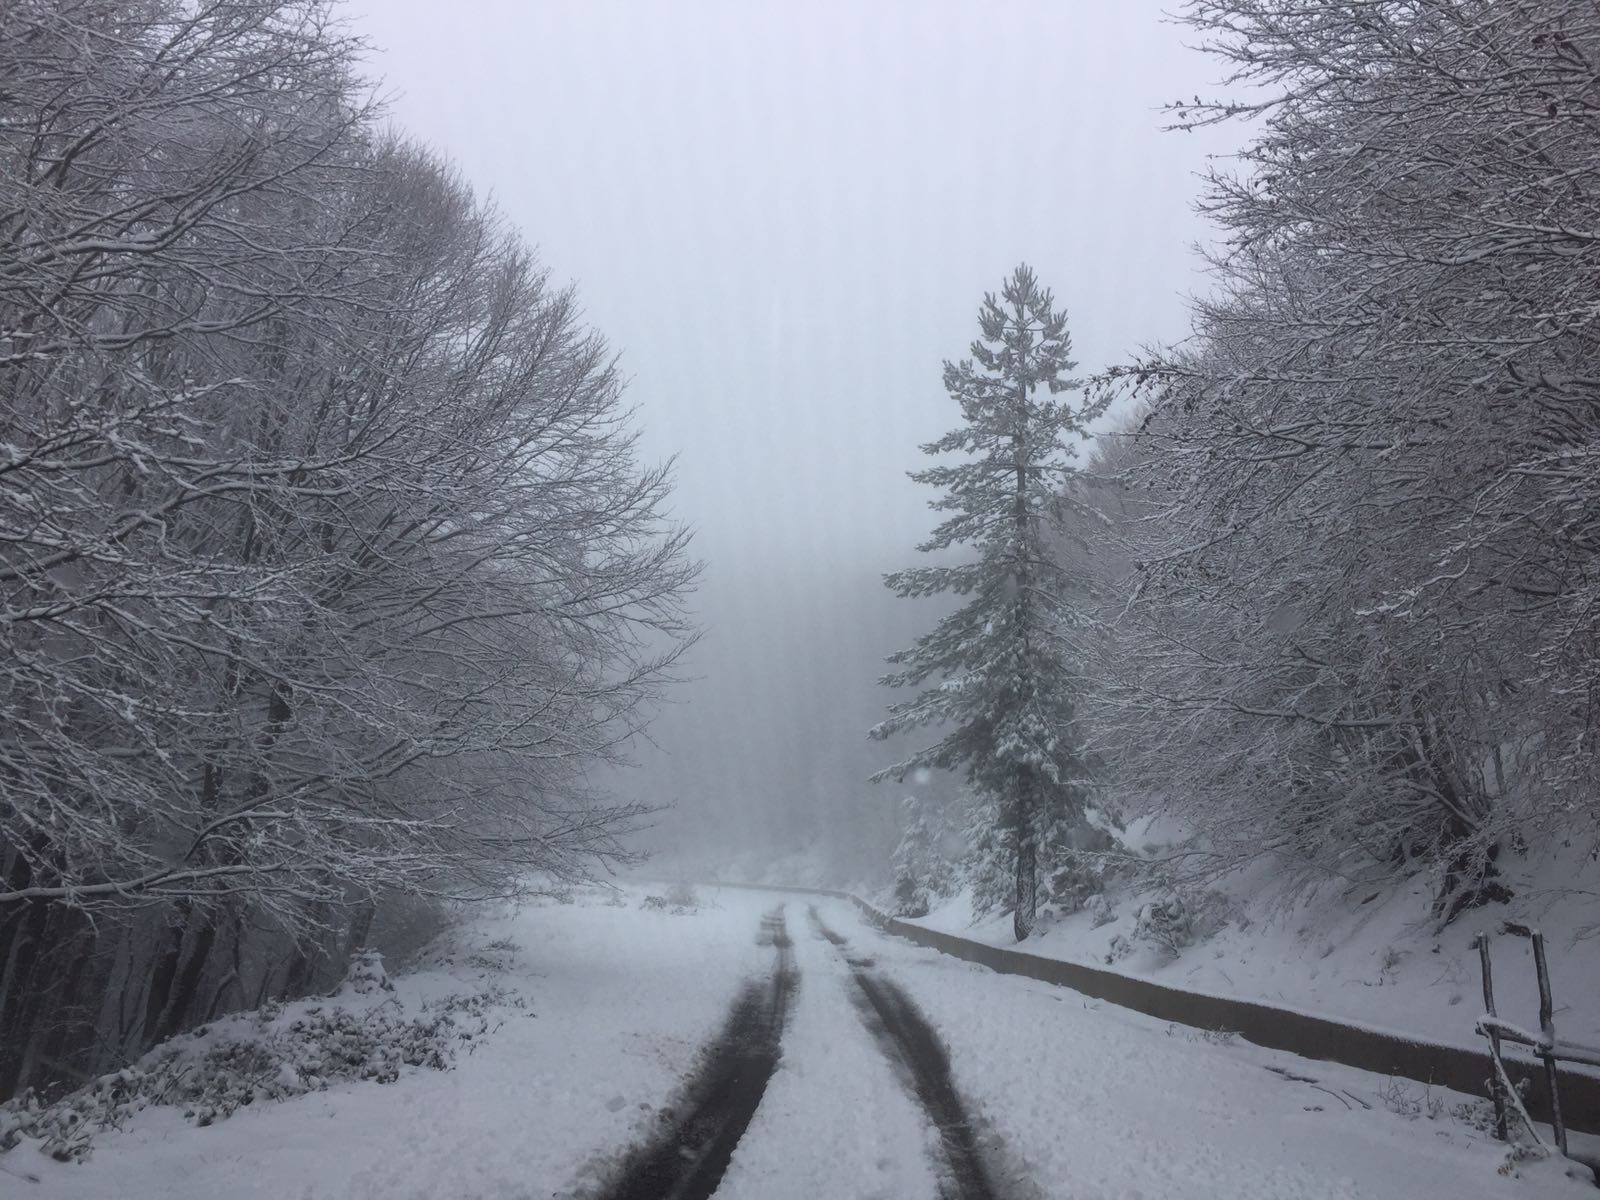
(1070, 1098)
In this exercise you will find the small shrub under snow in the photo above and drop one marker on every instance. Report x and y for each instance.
(1167, 923)
(271, 1054)
(680, 898)
(366, 974)
(1177, 918)
(1121, 946)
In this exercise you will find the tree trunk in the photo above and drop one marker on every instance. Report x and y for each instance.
(19, 1010)
(360, 928)
(163, 973)
(1027, 906)
(186, 985)
(73, 1029)
(297, 981)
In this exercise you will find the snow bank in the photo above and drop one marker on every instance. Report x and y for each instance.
(1365, 955)
(615, 1002)
(1095, 1100)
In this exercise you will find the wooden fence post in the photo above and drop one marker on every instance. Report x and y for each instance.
(1547, 1026)
(1496, 1088)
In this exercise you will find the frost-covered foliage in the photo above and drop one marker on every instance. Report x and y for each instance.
(926, 863)
(999, 677)
(1072, 861)
(1170, 916)
(1101, 910)
(1072, 867)
(988, 866)
(680, 898)
(366, 973)
(1166, 922)
(328, 567)
(1355, 538)
(269, 1055)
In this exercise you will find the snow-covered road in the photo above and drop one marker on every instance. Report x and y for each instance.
(1094, 1102)
(1058, 1097)
(869, 1132)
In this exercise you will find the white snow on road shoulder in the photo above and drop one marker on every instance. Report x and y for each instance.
(619, 1001)
(1097, 1101)
(1090, 1102)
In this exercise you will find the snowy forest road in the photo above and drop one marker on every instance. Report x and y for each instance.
(700, 1134)
(687, 1158)
(737, 1047)
(905, 1074)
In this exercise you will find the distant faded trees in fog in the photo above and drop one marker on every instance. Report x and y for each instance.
(326, 563)
(1346, 557)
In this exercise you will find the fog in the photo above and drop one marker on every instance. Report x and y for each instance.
(784, 216)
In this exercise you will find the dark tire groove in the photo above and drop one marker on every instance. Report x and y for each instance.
(909, 1041)
(689, 1155)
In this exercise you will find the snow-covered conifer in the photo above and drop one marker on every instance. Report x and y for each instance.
(998, 677)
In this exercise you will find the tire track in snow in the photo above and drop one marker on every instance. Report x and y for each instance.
(838, 1121)
(688, 1157)
(909, 1041)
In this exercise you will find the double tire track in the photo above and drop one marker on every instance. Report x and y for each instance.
(691, 1151)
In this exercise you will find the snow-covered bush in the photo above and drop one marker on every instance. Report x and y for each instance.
(1178, 917)
(680, 898)
(1073, 862)
(270, 1055)
(366, 974)
(1410, 1102)
(1165, 922)
(1072, 851)
(986, 868)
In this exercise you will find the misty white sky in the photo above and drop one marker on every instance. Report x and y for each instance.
(785, 216)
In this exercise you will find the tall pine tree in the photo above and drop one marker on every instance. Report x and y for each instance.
(998, 677)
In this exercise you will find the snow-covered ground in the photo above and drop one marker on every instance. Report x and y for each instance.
(1097, 1101)
(619, 1000)
(1366, 954)
(1078, 1100)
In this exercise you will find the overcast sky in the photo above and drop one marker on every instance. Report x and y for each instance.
(785, 216)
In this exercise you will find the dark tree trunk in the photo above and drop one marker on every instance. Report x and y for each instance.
(1027, 907)
(298, 980)
(19, 1008)
(72, 1028)
(234, 978)
(186, 983)
(360, 927)
(163, 974)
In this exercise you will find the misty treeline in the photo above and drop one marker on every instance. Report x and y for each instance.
(1339, 574)
(327, 567)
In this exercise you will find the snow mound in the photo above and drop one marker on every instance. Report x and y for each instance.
(363, 1033)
